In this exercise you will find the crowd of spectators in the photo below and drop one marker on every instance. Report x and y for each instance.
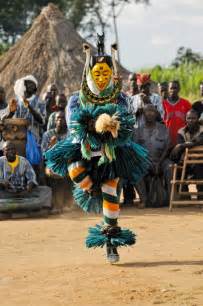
(166, 124)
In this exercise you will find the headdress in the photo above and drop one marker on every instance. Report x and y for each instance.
(19, 87)
(100, 57)
(143, 78)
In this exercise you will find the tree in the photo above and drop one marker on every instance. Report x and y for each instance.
(16, 15)
(186, 56)
(97, 13)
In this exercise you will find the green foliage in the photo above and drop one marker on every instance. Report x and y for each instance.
(16, 16)
(186, 56)
(189, 75)
(4, 47)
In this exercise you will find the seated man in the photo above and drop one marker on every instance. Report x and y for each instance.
(17, 180)
(154, 137)
(16, 173)
(189, 136)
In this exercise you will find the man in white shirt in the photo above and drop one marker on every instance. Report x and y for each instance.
(138, 101)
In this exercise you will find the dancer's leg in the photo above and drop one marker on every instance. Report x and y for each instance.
(78, 174)
(111, 212)
(110, 202)
(109, 233)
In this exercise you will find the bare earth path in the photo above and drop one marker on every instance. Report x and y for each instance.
(44, 262)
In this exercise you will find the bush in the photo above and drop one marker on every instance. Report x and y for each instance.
(189, 76)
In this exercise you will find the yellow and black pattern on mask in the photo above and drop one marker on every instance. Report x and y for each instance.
(100, 83)
(101, 75)
(109, 95)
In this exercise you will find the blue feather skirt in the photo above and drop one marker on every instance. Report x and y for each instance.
(131, 164)
(96, 238)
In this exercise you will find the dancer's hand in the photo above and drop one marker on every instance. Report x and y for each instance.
(53, 141)
(91, 125)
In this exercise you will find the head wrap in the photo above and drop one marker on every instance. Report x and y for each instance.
(19, 87)
(143, 78)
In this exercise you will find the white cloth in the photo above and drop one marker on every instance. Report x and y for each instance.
(19, 87)
(136, 103)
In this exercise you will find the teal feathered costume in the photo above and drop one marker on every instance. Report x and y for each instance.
(98, 157)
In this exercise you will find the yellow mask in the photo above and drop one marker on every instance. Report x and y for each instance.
(101, 74)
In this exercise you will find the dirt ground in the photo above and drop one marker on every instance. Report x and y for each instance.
(43, 262)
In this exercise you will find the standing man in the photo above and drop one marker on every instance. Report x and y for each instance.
(132, 85)
(49, 99)
(3, 103)
(155, 138)
(52, 136)
(61, 103)
(3, 106)
(175, 109)
(59, 185)
(98, 151)
(28, 105)
(163, 90)
(145, 97)
(128, 189)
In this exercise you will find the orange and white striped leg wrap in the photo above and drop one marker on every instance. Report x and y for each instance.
(78, 174)
(110, 202)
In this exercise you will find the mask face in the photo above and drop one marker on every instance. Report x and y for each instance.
(101, 74)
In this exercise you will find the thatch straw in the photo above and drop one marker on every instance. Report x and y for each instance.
(51, 50)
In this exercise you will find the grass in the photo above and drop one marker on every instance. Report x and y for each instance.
(189, 76)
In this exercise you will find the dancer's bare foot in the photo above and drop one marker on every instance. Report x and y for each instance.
(112, 254)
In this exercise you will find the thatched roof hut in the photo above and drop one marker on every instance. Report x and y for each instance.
(51, 50)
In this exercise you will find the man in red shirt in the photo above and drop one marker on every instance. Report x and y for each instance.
(175, 109)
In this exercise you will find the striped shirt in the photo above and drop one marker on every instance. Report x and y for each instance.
(135, 103)
(22, 175)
